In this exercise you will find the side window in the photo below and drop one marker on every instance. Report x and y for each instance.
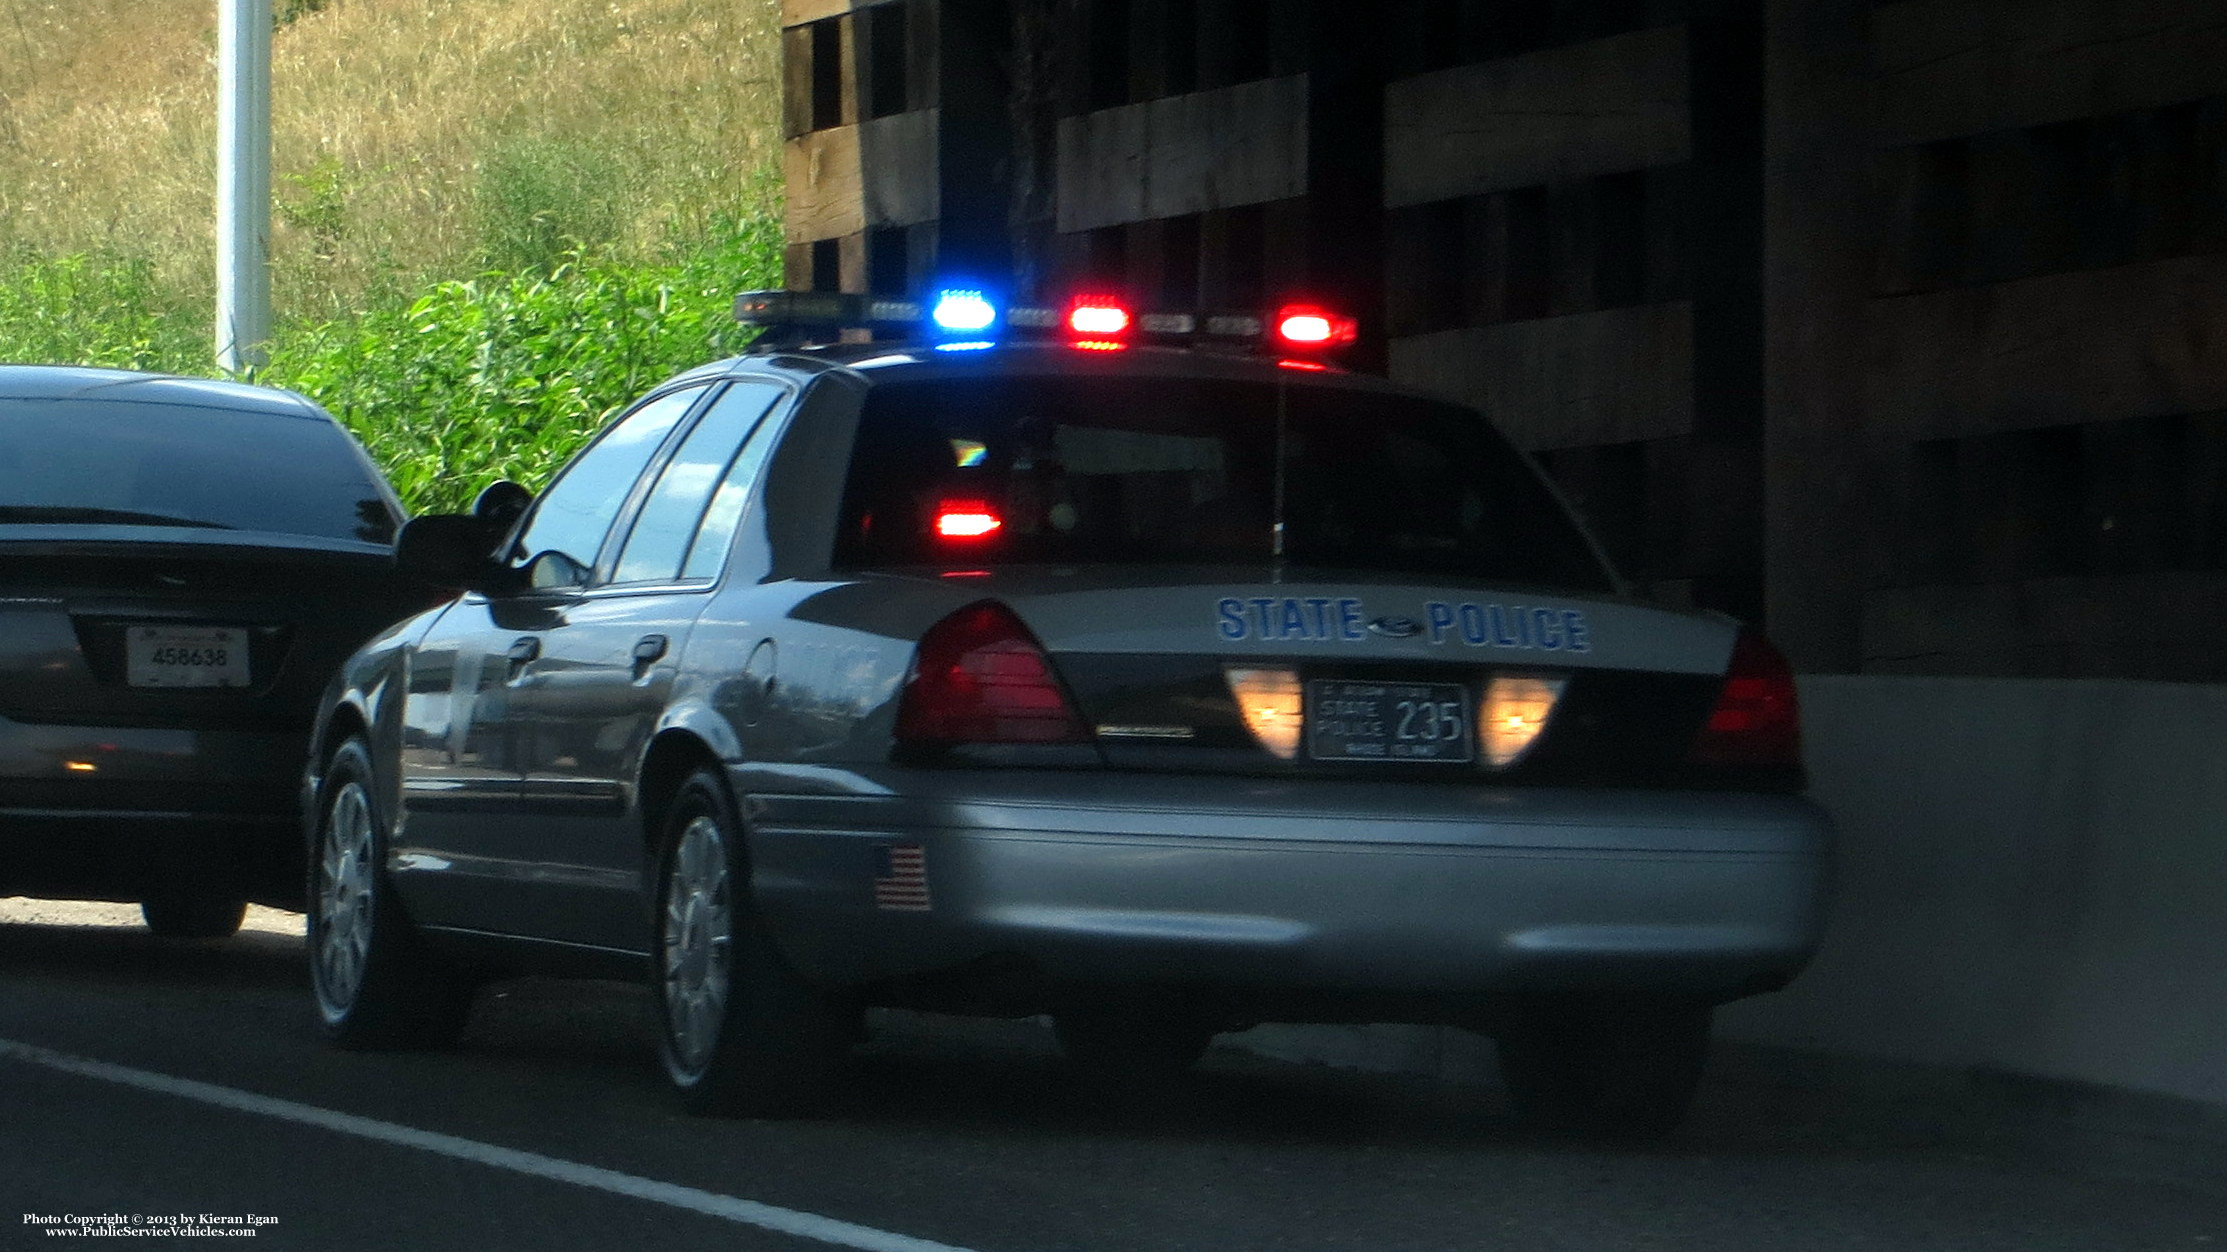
(690, 491)
(709, 549)
(577, 510)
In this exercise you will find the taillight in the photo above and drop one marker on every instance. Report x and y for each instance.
(979, 676)
(1756, 720)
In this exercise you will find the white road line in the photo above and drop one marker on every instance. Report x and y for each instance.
(709, 1203)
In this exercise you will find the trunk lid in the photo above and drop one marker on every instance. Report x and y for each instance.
(1387, 676)
(140, 626)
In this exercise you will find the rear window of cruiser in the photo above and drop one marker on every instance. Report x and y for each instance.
(1097, 470)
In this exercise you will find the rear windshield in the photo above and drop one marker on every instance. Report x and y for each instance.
(92, 462)
(1114, 471)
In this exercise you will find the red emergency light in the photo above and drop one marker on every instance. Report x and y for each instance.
(1098, 318)
(1307, 327)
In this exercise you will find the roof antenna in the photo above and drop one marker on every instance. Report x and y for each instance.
(1276, 527)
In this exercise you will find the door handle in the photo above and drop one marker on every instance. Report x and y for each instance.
(522, 651)
(647, 650)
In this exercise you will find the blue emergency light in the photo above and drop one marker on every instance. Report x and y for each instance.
(963, 310)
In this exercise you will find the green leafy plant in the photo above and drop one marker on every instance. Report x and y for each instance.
(504, 376)
(451, 387)
(96, 308)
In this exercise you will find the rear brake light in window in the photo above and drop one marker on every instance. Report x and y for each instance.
(966, 519)
(1756, 720)
(979, 676)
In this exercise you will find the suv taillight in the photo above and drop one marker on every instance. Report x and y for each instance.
(1756, 720)
(979, 676)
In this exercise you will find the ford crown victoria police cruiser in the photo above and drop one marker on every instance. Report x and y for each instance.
(1160, 689)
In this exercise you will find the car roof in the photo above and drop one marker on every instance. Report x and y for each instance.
(86, 382)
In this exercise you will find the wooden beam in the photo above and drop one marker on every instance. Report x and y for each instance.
(1238, 145)
(850, 178)
(799, 12)
(1945, 68)
(1617, 376)
(796, 82)
(1567, 113)
(2081, 347)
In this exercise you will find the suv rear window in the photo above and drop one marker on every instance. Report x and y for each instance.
(1115, 471)
(81, 461)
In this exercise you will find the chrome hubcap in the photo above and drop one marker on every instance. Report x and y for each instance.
(344, 887)
(698, 936)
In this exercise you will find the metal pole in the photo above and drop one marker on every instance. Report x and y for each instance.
(243, 182)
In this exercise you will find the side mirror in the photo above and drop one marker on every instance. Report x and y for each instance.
(446, 550)
(500, 505)
(555, 571)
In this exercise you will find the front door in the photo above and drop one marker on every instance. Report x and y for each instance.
(604, 669)
(474, 854)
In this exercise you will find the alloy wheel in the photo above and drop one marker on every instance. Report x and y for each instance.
(344, 897)
(698, 942)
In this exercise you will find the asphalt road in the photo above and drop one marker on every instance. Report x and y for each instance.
(182, 1085)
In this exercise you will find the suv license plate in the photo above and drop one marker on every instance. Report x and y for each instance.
(1388, 721)
(185, 656)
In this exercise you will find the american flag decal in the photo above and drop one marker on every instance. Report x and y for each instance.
(901, 878)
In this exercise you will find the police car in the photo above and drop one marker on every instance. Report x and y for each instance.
(1147, 672)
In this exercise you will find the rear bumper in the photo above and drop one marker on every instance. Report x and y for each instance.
(1338, 888)
(121, 813)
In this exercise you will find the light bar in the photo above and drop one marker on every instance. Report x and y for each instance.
(967, 318)
(829, 309)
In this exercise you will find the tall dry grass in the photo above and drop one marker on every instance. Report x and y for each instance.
(413, 140)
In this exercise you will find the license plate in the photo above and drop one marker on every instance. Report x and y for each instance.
(1386, 721)
(185, 656)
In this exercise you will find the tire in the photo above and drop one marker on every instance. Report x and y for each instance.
(376, 985)
(1138, 1045)
(193, 916)
(1615, 1068)
(740, 1034)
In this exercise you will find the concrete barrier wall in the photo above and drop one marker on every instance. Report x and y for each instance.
(2033, 879)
